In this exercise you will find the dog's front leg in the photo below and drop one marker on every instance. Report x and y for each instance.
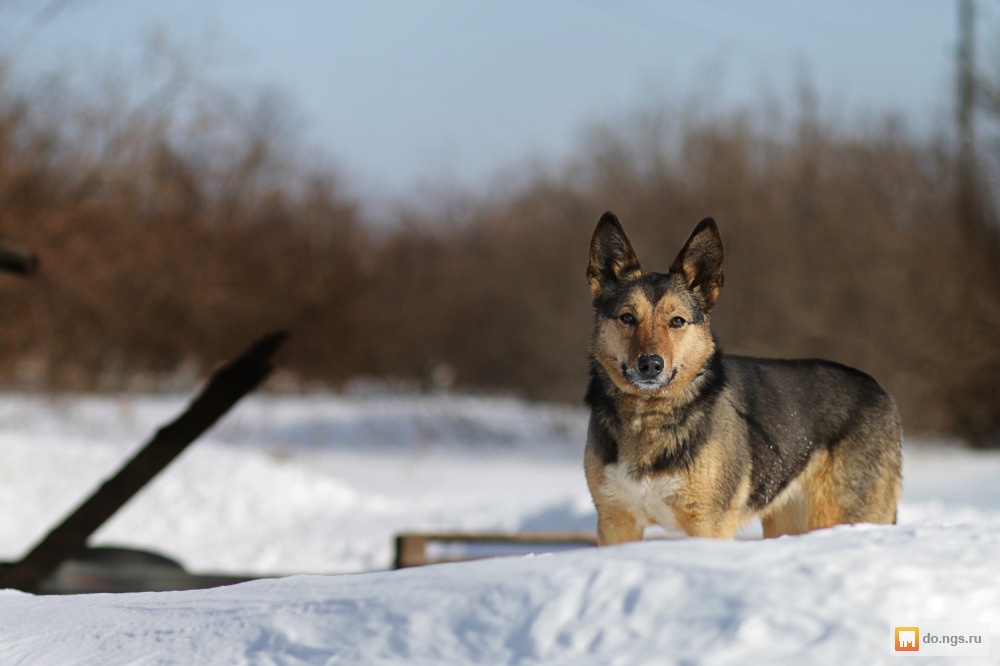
(698, 522)
(616, 524)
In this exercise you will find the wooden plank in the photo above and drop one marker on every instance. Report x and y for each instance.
(411, 548)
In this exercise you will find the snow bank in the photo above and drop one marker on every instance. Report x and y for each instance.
(826, 598)
(294, 485)
(322, 484)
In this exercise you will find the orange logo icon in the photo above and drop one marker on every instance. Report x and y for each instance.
(907, 639)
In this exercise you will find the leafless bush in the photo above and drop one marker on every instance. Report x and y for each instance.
(169, 238)
(840, 243)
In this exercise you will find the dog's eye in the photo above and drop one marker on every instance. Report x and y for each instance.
(627, 318)
(677, 322)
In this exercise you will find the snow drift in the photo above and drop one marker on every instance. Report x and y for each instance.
(826, 598)
(321, 484)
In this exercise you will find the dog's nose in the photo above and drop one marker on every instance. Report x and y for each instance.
(650, 365)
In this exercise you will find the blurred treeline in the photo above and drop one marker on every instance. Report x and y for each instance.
(171, 235)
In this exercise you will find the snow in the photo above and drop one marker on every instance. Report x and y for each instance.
(297, 485)
(321, 484)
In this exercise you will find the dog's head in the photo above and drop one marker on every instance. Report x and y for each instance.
(651, 330)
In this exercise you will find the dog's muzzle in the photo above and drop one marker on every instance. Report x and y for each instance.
(648, 372)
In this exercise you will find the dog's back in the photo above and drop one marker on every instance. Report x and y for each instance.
(826, 431)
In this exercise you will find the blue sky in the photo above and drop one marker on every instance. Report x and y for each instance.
(405, 93)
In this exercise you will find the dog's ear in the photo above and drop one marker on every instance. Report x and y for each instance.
(611, 255)
(700, 263)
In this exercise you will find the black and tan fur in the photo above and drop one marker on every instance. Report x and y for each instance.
(681, 434)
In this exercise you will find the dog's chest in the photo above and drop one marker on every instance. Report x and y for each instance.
(650, 440)
(650, 496)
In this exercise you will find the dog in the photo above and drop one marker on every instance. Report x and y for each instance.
(682, 435)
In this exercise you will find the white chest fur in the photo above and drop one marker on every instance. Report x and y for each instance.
(649, 498)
